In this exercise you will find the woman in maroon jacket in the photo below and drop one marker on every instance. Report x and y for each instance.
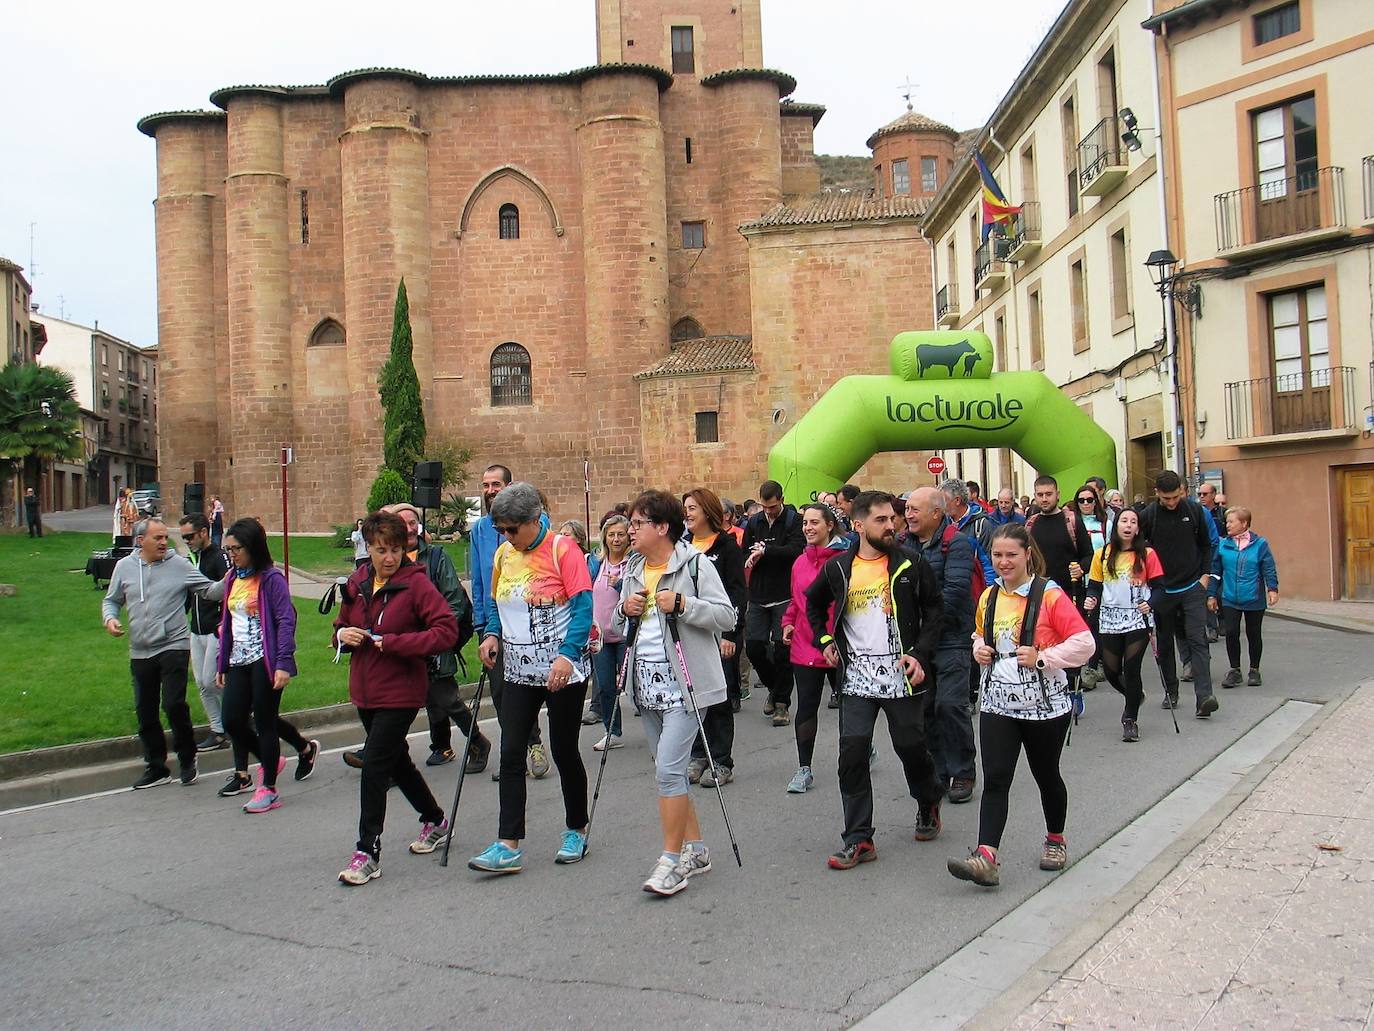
(391, 618)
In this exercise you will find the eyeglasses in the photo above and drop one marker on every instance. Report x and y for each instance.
(188, 537)
(1087, 501)
(639, 524)
(506, 531)
(233, 549)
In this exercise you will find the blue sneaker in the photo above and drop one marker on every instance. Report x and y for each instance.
(498, 858)
(573, 849)
(1076, 700)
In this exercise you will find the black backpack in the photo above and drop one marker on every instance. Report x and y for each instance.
(1029, 619)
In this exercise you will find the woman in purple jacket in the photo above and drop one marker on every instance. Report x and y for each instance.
(257, 658)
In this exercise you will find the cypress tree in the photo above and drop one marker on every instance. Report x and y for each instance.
(403, 422)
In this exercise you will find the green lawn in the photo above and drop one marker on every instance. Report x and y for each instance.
(318, 555)
(67, 680)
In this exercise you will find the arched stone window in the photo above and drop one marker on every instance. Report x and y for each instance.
(510, 376)
(686, 328)
(510, 222)
(327, 334)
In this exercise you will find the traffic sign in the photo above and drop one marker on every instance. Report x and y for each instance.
(936, 465)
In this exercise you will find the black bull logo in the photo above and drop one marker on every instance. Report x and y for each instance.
(948, 356)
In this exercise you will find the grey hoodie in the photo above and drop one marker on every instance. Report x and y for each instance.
(155, 594)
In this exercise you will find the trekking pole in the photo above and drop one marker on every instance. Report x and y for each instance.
(1154, 647)
(463, 769)
(710, 759)
(611, 719)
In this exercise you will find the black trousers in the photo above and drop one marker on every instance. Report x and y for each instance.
(1230, 627)
(518, 713)
(806, 720)
(767, 654)
(1001, 739)
(35, 527)
(906, 727)
(442, 704)
(719, 721)
(498, 692)
(248, 692)
(163, 678)
(386, 754)
(1190, 606)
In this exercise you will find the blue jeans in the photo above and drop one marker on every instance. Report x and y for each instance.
(606, 667)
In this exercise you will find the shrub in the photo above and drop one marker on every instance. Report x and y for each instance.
(389, 488)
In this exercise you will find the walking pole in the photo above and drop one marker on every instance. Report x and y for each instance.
(611, 721)
(1154, 647)
(463, 769)
(710, 759)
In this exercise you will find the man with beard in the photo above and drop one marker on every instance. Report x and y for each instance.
(887, 622)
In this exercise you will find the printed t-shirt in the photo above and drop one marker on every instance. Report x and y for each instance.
(656, 685)
(1122, 590)
(874, 662)
(1008, 688)
(245, 621)
(532, 590)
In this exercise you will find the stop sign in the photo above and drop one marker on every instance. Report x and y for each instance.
(936, 465)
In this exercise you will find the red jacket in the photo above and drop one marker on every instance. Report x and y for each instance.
(414, 622)
(804, 572)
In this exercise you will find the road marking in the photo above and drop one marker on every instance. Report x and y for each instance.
(954, 992)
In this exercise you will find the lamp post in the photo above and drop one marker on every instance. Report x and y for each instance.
(1162, 264)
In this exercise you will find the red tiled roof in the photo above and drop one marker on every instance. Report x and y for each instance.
(912, 121)
(841, 207)
(705, 354)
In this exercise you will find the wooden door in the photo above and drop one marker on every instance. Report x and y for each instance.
(1357, 496)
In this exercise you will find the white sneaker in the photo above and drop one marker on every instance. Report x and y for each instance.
(614, 742)
(668, 877)
(693, 863)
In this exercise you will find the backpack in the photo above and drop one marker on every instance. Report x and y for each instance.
(1070, 521)
(977, 581)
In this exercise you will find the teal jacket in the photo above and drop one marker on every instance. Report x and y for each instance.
(1240, 578)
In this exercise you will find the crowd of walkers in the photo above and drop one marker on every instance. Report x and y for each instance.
(974, 628)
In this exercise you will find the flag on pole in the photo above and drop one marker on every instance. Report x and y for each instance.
(997, 210)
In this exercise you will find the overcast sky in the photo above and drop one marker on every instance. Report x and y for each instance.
(75, 77)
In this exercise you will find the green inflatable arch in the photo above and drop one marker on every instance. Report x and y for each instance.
(942, 394)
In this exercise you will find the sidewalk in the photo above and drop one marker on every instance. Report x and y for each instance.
(1350, 616)
(1269, 922)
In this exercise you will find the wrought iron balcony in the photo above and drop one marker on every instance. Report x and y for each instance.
(1296, 403)
(1276, 214)
(947, 312)
(1025, 232)
(1101, 158)
(990, 263)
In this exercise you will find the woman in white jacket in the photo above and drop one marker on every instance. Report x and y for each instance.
(666, 580)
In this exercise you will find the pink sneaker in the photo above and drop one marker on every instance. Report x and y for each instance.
(264, 800)
(281, 765)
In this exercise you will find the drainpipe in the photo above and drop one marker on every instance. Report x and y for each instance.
(1170, 323)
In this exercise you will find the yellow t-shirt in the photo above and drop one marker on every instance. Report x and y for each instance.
(704, 544)
(874, 669)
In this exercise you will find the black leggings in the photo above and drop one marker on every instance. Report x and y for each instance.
(1230, 628)
(810, 682)
(1000, 739)
(519, 712)
(1122, 655)
(248, 689)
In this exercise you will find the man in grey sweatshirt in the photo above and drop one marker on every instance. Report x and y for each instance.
(152, 582)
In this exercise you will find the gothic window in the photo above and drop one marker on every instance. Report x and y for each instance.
(510, 376)
(686, 328)
(328, 333)
(510, 222)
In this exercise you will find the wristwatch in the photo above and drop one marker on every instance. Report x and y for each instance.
(1040, 663)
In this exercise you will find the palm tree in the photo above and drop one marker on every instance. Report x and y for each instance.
(39, 419)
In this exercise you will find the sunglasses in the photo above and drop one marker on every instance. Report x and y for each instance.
(188, 537)
(506, 531)
(1087, 501)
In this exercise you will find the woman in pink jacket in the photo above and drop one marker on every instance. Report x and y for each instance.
(823, 542)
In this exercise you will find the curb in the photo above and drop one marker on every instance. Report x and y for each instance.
(1345, 626)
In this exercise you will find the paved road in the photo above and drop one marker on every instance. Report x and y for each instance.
(171, 907)
(97, 519)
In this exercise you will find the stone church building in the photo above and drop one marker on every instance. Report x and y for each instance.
(631, 262)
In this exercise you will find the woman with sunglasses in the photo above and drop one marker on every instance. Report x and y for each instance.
(257, 659)
(1099, 520)
(538, 626)
(615, 549)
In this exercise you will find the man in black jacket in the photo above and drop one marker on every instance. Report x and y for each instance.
(210, 560)
(888, 620)
(1178, 529)
(772, 541)
(1063, 539)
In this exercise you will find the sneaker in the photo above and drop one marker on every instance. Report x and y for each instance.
(928, 822)
(478, 755)
(801, 780)
(780, 717)
(852, 855)
(354, 760)
(1130, 730)
(212, 742)
(1054, 856)
(190, 772)
(669, 877)
(305, 761)
(609, 741)
(1212, 636)
(235, 785)
(360, 869)
(264, 800)
(1207, 706)
(536, 761)
(498, 858)
(695, 769)
(1232, 678)
(1088, 678)
(694, 862)
(440, 757)
(152, 778)
(432, 835)
(590, 717)
(980, 867)
(768, 707)
(1187, 674)
(573, 849)
(834, 702)
(961, 790)
(723, 775)
(1170, 700)
(744, 693)
(1254, 679)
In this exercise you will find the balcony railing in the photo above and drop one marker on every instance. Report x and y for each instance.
(947, 305)
(1367, 177)
(990, 263)
(1263, 217)
(1025, 231)
(1101, 158)
(1300, 402)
